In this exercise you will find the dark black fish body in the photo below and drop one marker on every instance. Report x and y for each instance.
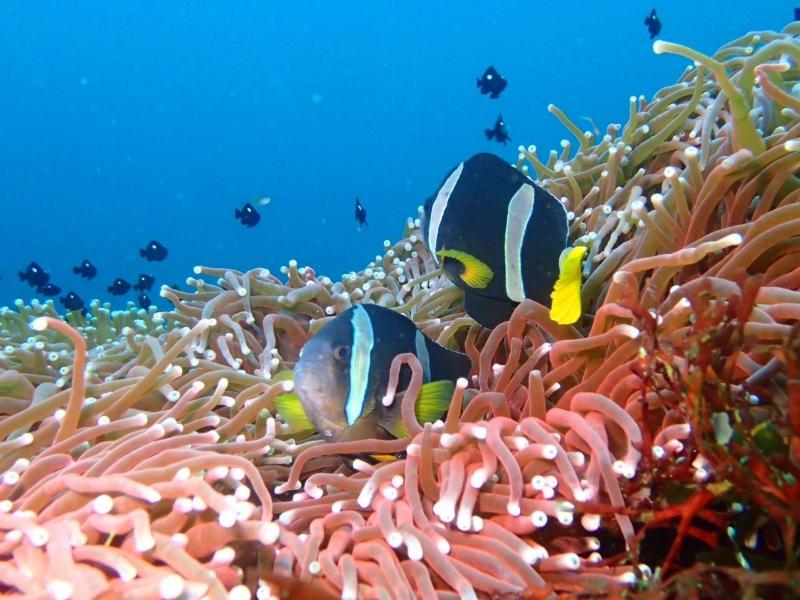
(119, 287)
(144, 283)
(154, 251)
(499, 132)
(86, 269)
(35, 275)
(361, 214)
(499, 236)
(248, 215)
(492, 83)
(144, 300)
(72, 302)
(653, 24)
(343, 372)
(48, 289)
(797, 14)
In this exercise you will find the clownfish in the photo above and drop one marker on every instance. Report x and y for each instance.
(343, 375)
(503, 238)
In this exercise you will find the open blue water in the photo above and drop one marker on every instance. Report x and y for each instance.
(122, 122)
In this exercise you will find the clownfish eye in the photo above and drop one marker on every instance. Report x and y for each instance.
(342, 353)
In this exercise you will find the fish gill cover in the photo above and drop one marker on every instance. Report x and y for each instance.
(653, 448)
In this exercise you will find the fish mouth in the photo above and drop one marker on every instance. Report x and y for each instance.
(317, 390)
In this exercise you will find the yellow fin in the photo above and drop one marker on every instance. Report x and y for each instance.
(477, 273)
(566, 295)
(432, 403)
(285, 375)
(291, 412)
(384, 457)
(434, 400)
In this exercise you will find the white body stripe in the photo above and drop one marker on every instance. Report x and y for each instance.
(423, 356)
(439, 206)
(520, 209)
(566, 218)
(363, 341)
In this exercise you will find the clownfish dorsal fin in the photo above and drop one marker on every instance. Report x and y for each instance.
(477, 273)
(566, 295)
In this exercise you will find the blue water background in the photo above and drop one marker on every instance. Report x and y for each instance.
(122, 122)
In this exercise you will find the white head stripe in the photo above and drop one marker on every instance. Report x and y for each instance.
(423, 356)
(520, 208)
(363, 340)
(439, 206)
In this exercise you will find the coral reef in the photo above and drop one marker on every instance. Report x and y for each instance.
(652, 449)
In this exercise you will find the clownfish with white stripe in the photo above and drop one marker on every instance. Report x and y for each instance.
(343, 375)
(503, 238)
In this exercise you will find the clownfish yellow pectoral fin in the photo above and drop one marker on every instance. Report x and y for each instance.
(432, 403)
(566, 295)
(434, 400)
(285, 375)
(477, 273)
(291, 412)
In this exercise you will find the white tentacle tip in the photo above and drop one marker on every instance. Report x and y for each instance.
(39, 324)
